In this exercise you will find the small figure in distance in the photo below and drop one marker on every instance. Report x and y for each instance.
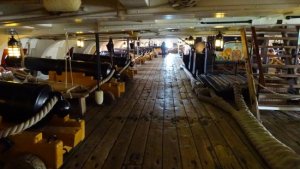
(163, 49)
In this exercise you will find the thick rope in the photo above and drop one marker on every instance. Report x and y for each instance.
(30, 122)
(275, 153)
(105, 80)
(108, 77)
(124, 68)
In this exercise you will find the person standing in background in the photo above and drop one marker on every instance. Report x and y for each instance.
(163, 49)
(186, 54)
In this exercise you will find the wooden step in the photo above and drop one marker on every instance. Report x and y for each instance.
(276, 96)
(278, 66)
(271, 56)
(280, 75)
(290, 47)
(277, 38)
(278, 85)
(279, 107)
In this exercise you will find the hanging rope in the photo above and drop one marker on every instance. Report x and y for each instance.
(30, 122)
(68, 58)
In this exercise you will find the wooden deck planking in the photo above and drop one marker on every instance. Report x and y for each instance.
(220, 146)
(160, 124)
(135, 153)
(153, 151)
(100, 126)
(245, 155)
(136, 149)
(104, 147)
(171, 152)
(118, 152)
(284, 126)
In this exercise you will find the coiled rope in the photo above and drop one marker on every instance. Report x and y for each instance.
(275, 153)
(30, 122)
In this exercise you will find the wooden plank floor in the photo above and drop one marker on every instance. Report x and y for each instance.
(285, 126)
(159, 123)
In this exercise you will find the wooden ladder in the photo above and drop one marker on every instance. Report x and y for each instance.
(276, 66)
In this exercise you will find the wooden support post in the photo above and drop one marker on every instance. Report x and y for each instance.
(297, 47)
(250, 79)
(258, 57)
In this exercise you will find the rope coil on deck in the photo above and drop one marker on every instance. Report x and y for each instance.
(30, 122)
(275, 153)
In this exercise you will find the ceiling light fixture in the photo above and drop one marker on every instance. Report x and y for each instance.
(220, 15)
(11, 24)
(190, 40)
(13, 45)
(80, 43)
(219, 43)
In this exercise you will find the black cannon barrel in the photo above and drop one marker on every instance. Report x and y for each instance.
(58, 65)
(118, 60)
(19, 102)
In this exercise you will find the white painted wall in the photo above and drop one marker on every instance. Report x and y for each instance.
(36, 47)
(3, 44)
(58, 49)
(90, 47)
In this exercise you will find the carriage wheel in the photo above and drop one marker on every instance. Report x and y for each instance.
(28, 161)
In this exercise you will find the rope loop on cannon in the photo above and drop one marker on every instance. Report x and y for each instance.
(108, 77)
(124, 68)
(16, 129)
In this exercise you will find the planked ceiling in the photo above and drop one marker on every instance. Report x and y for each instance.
(145, 18)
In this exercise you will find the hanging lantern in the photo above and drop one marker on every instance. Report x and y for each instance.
(80, 43)
(13, 48)
(124, 45)
(219, 43)
(191, 40)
